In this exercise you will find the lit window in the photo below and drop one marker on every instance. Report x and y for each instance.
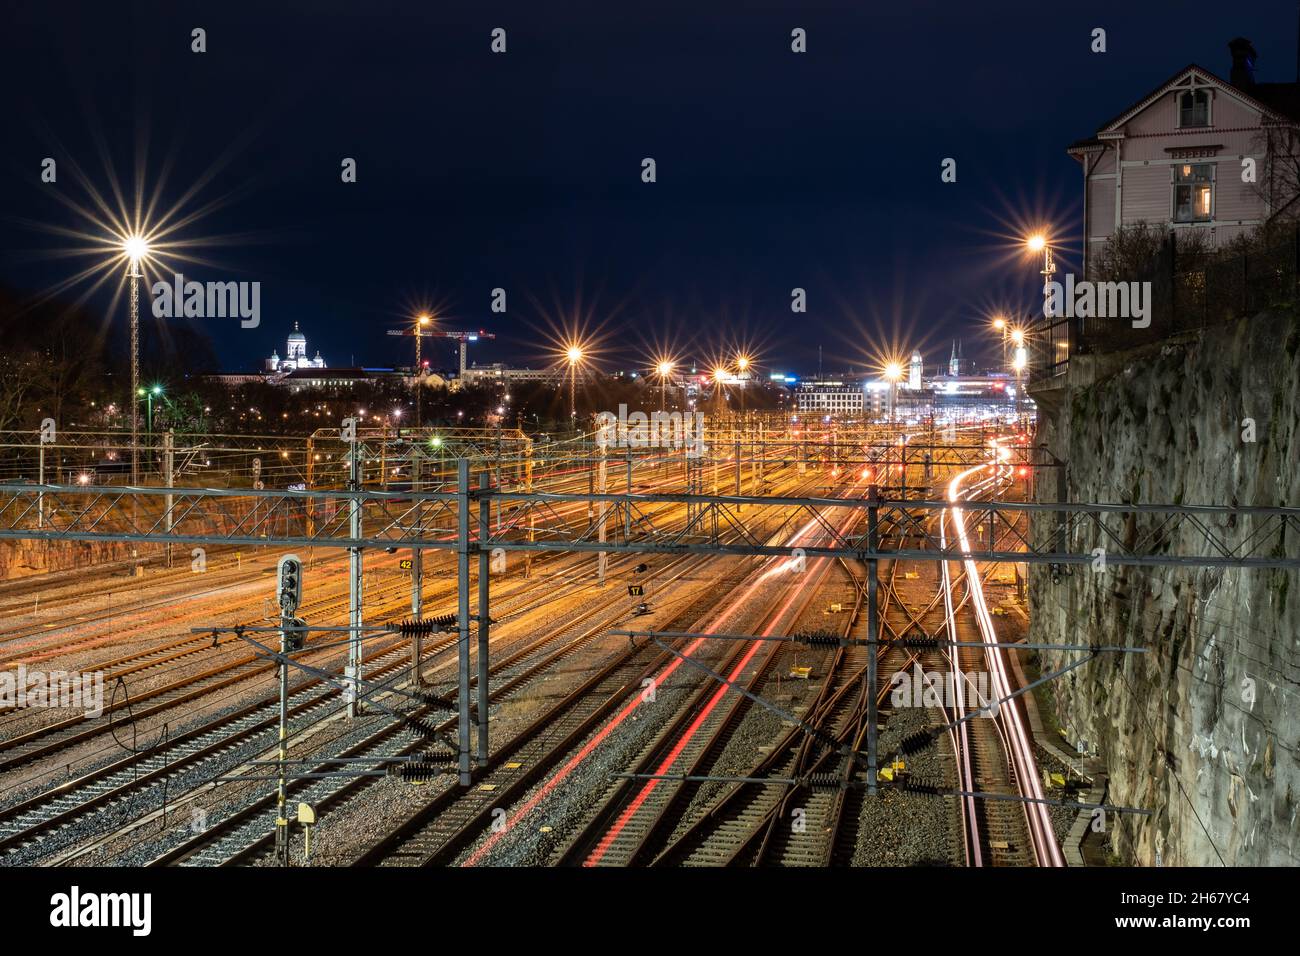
(1193, 192)
(1194, 108)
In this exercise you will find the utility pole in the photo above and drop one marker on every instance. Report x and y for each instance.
(738, 492)
(873, 632)
(484, 621)
(532, 515)
(289, 588)
(602, 559)
(169, 479)
(40, 480)
(462, 618)
(354, 582)
(417, 565)
(627, 510)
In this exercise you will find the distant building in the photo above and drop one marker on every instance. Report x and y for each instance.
(499, 374)
(295, 355)
(297, 372)
(830, 399)
(915, 372)
(1177, 158)
(313, 378)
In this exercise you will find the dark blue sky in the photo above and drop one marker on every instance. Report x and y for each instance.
(522, 171)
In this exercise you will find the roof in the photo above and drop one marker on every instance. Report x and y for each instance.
(1279, 101)
(327, 373)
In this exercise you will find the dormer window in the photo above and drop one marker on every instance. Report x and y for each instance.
(1194, 108)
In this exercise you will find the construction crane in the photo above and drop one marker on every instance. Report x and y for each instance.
(464, 338)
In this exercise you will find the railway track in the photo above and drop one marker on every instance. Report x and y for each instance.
(452, 821)
(22, 823)
(750, 823)
(633, 814)
(26, 821)
(21, 748)
(248, 833)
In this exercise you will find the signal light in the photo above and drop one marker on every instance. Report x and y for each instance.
(289, 578)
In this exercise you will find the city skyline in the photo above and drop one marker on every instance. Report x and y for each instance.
(526, 201)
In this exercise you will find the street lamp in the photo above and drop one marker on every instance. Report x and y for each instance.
(1018, 364)
(893, 374)
(1039, 243)
(136, 249)
(149, 395)
(1000, 326)
(663, 369)
(420, 322)
(742, 365)
(719, 373)
(574, 354)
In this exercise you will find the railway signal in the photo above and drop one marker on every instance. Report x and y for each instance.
(289, 579)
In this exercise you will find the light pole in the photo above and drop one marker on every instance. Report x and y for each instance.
(574, 355)
(742, 364)
(420, 322)
(663, 370)
(1000, 325)
(149, 395)
(893, 374)
(135, 248)
(1018, 363)
(1038, 243)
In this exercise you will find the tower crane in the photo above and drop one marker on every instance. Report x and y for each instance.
(464, 338)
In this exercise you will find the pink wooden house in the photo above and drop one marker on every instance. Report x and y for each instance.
(1178, 158)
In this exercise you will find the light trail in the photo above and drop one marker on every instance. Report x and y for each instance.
(974, 855)
(1019, 743)
(576, 760)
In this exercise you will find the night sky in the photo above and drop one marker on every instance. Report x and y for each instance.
(522, 170)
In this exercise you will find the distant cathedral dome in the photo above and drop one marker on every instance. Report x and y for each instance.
(295, 355)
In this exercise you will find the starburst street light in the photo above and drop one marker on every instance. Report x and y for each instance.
(893, 372)
(1036, 243)
(742, 365)
(421, 320)
(573, 353)
(664, 369)
(1000, 326)
(135, 247)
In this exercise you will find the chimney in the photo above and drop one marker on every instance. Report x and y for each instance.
(1243, 63)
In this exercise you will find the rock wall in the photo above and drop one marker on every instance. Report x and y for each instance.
(1204, 728)
(20, 558)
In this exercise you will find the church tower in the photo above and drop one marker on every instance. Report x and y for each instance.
(296, 349)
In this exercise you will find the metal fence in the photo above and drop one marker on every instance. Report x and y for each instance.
(1188, 292)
